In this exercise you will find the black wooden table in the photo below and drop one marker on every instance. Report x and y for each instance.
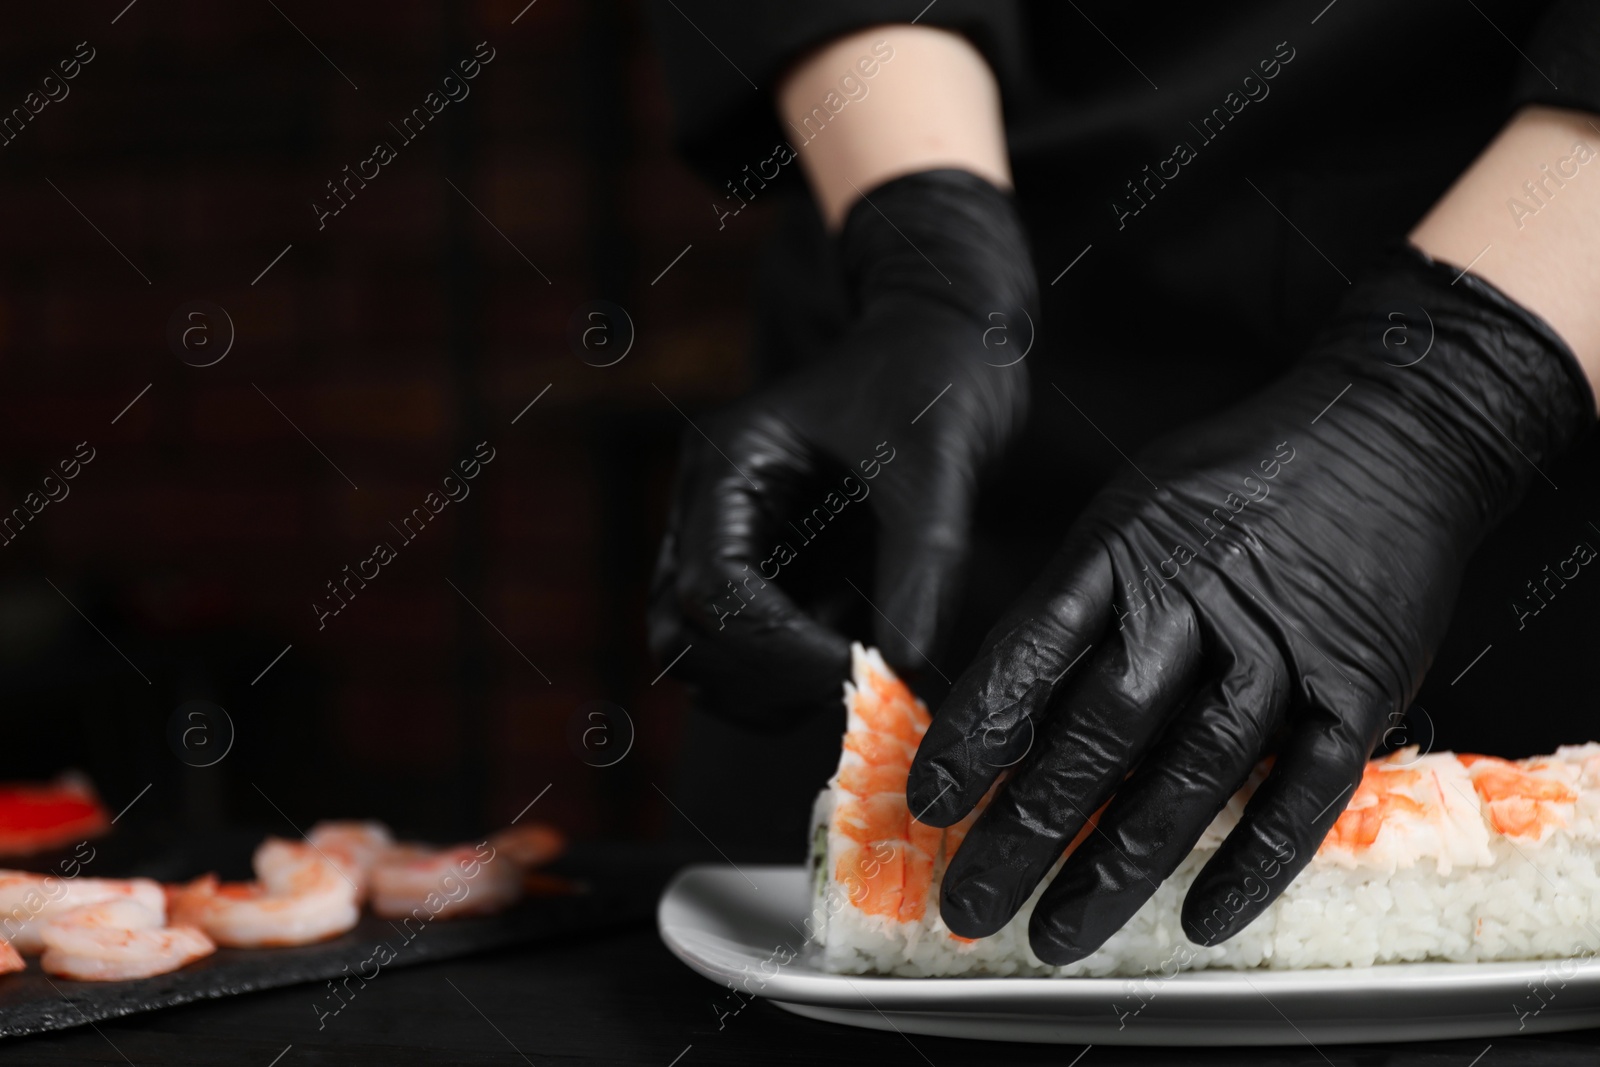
(621, 998)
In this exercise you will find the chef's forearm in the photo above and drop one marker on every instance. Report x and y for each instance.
(931, 101)
(1526, 217)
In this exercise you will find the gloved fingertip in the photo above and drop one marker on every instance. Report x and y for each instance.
(1056, 929)
(908, 624)
(932, 796)
(1207, 921)
(1055, 947)
(969, 908)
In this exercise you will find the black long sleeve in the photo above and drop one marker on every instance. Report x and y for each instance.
(1563, 53)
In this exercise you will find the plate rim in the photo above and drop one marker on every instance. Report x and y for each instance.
(1392, 981)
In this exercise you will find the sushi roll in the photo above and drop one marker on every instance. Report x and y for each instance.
(1435, 857)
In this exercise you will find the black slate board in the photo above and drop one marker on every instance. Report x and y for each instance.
(32, 1002)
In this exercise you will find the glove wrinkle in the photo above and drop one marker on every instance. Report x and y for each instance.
(900, 420)
(1038, 649)
(1282, 592)
(1077, 762)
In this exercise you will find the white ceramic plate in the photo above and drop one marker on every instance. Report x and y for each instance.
(743, 926)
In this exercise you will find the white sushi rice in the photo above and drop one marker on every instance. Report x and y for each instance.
(1442, 887)
(1329, 917)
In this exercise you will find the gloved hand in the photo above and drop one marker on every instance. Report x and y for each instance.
(900, 419)
(1276, 578)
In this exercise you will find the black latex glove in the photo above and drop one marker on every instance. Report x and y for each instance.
(944, 298)
(1276, 578)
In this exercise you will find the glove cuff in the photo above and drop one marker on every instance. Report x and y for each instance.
(947, 235)
(1500, 392)
(1575, 422)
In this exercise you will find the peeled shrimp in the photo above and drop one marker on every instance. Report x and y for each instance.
(10, 959)
(28, 901)
(300, 897)
(353, 847)
(885, 862)
(528, 845)
(464, 880)
(117, 940)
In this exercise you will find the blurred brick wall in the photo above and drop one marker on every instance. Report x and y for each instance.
(395, 338)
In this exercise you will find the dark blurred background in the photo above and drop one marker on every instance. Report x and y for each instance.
(190, 551)
(454, 289)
